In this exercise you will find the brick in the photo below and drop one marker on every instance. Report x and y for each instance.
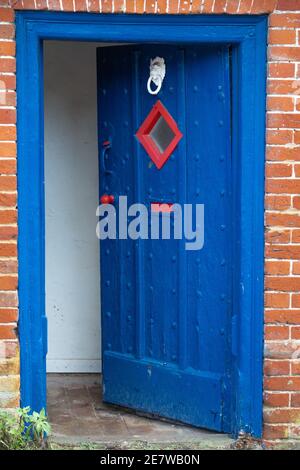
(42, 4)
(8, 266)
(287, 5)
(150, 6)
(278, 186)
(283, 251)
(10, 400)
(29, 4)
(207, 6)
(282, 383)
(196, 6)
(296, 367)
(7, 65)
(219, 6)
(10, 366)
(278, 267)
(277, 203)
(281, 53)
(279, 416)
(277, 300)
(8, 299)
(282, 350)
(7, 116)
(8, 315)
(296, 236)
(296, 267)
(279, 170)
(295, 399)
(8, 282)
(7, 149)
(297, 137)
(245, 6)
(283, 87)
(287, 120)
(281, 70)
(119, 6)
(296, 300)
(8, 331)
(279, 137)
(8, 249)
(7, 166)
(276, 399)
(290, 317)
(184, 6)
(283, 154)
(294, 432)
(276, 333)
(80, 5)
(275, 432)
(8, 183)
(9, 82)
(54, 5)
(8, 98)
(297, 172)
(8, 216)
(8, 233)
(280, 103)
(284, 20)
(7, 31)
(276, 237)
(263, 6)
(130, 6)
(7, 47)
(68, 5)
(282, 219)
(8, 349)
(282, 36)
(295, 333)
(8, 200)
(275, 368)
(296, 199)
(7, 15)
(10, 383)
(232, 6)
(282, 283)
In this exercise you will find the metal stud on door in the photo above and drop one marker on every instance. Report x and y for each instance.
(166, 311)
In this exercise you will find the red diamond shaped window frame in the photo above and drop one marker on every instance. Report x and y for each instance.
(143, 134)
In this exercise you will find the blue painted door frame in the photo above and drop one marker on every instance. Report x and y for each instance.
(248, 37)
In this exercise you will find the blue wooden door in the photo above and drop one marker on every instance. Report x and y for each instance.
(167, 311)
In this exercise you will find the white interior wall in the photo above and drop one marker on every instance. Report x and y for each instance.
(71, 197)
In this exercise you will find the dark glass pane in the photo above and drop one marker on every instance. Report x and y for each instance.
(161, 134)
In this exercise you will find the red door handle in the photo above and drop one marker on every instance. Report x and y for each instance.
(107, 199)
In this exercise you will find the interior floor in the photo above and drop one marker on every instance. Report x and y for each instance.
(77, 415)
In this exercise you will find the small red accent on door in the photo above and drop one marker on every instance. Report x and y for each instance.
(159, 125)
(107, 199)
(162, 207)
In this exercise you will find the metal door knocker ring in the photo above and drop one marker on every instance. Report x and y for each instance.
(157, 75)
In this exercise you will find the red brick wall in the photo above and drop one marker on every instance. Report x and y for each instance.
(282, 298)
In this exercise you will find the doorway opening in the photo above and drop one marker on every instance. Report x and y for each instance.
(72, 263)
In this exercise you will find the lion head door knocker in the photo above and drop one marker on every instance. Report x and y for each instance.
(157, 75)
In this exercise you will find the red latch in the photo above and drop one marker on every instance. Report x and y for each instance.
(162, 207)
(107, 199)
